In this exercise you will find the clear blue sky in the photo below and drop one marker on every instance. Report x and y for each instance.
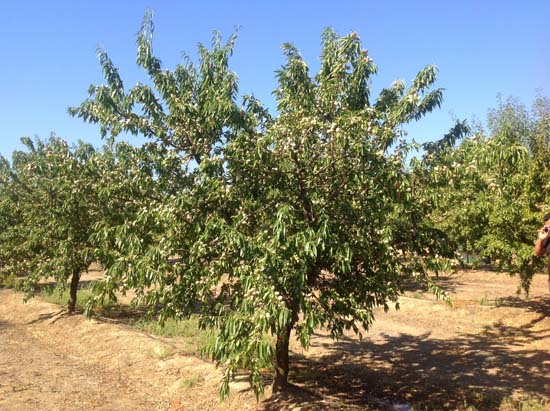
(481, 48)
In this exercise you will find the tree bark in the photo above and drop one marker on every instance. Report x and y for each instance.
(74, 288)
(280, 383)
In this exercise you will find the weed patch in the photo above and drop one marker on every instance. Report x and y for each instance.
(60, 297)
(191, 382)
(186, 330)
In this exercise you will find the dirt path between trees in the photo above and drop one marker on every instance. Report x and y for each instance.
(490, 347)
(52, 361)
(38, 376)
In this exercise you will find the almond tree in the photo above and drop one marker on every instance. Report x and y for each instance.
(491, 189)
(52, 208)
(281, 224)
(9, 218)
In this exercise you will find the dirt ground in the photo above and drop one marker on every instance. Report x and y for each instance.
(53, 361)
(490, 347)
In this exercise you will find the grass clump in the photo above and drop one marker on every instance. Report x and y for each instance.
(61, 297)
(484, 301)
(8, 280)
(161, 352)
(497, 302)
(525, 404)
(186, 330)
(190, 382)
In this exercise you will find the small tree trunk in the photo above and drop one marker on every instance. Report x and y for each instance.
(74, 288)
(281, 359)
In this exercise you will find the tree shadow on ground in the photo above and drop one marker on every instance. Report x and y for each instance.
(539, 305)
(51, 316)
(298, 398)
(433, 374)
(4, 325)
(447, 283)
(120, 313)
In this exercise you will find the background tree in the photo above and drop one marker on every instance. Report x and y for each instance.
(9, 221)
(51, 212)
(490, 191)
(296, 222)
(129, 236)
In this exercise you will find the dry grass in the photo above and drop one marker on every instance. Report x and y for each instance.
(487, 352)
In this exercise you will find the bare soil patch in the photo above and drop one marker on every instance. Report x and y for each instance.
(52, 361)
(490, 346)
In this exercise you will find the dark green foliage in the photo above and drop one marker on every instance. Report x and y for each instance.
(266, 225)
(48, 210)
(490, 191)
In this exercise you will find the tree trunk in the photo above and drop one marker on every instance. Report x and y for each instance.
(74, 288)
(281, 359)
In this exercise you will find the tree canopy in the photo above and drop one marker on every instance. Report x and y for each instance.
(489, 190)
(268, 224)
(48, 210)
(271, 225)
